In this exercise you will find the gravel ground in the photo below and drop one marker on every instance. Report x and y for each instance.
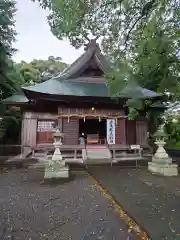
(74, 210)
(152, 201)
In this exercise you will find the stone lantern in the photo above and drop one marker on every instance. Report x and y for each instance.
(56, 168)
(58, 138)
(161, 162)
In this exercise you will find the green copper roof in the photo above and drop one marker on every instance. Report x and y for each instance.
(71, 83)
(70, 88)
(16, 98)
(133, 90)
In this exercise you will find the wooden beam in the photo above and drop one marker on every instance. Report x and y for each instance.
(60, 119)
(91, 115)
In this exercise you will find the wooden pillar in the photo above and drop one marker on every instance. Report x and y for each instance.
(60, 118)
(122, 129)
(28, 131)
(131, 132)
(118, 131)
(71, 131)
(141, 132)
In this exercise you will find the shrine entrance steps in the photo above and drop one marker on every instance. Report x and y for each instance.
(97, 154)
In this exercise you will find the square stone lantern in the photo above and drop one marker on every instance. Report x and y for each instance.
(161, 162)
(56, 168)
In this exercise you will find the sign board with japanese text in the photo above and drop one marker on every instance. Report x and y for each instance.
(111, 131)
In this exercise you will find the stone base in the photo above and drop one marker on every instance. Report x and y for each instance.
(163, 169)
(62, 172)
(162, 160)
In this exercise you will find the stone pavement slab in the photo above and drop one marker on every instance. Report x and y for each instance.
(152, 201)
(74, 210)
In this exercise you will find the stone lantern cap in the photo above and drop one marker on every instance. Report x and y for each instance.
(160, 134)
(58, 134)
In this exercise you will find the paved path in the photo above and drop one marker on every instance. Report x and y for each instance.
(153, 201)
(74, 210)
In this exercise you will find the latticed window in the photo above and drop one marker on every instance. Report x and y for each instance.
(45, 126)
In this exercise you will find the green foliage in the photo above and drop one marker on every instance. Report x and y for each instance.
(23, 74)
(29, 73)
(10, 78)
(13, 75)
(121, 23)
(140, 37)
(7, 36)
(10, 126)
(133, 113)
(173, 129)
(49, 68)
(156, 63)
(40, 70)
(7, 11)
(110, 18)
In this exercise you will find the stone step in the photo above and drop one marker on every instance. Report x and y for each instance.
(99, 155)
(98, 151)
(94, 153)
(98, 161)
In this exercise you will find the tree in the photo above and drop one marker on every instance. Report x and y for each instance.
(28, 72)
(76, 19)
(50, 67)
(140, 37)
(10, 78)
(132, 31)
(40, 70)
(7, 36)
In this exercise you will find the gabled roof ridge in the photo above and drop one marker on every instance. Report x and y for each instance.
(93, 51)
(83, 59)
(102, 61)
(72, 64)
(79, 80)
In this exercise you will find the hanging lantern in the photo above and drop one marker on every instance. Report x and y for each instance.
(68, 119)
(99, 119)
(84, 118)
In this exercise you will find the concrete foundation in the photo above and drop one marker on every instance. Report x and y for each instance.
(56, 172)
(169, 170)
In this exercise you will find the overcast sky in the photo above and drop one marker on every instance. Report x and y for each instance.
(35, 40)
